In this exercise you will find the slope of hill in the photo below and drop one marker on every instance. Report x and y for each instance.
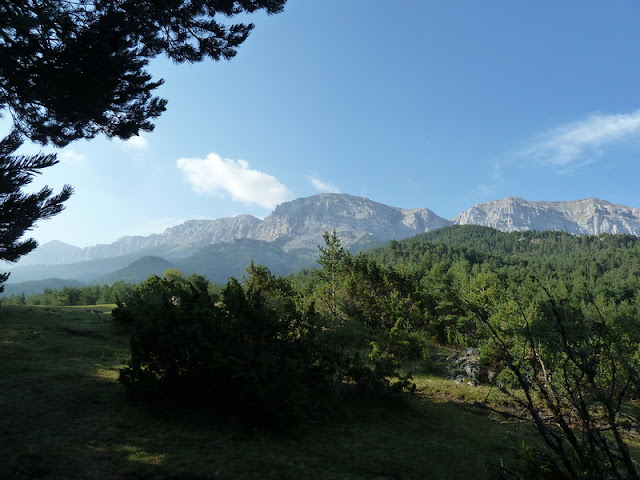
(137, 271)
(612, 258)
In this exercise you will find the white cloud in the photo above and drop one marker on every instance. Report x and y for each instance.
(138, 142)
(215, 175)
(71, 155)
(573, 145)
(322, 186)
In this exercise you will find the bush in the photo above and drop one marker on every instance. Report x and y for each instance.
(234, 355)
(255, 354)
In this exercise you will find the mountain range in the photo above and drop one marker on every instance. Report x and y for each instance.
(287, 239)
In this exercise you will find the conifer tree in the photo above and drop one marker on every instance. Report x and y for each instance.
(331, 258)
(19, 211)
(72, 70)
(76, 69)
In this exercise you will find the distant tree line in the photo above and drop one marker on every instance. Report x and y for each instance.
(69, 295)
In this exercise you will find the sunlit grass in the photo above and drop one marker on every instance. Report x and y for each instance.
(137, 454)
(107, 374)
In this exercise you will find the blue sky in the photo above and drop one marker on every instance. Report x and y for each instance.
(413, 104)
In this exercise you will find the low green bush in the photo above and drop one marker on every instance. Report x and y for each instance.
(255, 353)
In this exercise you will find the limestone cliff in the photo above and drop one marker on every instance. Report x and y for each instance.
(588, 216)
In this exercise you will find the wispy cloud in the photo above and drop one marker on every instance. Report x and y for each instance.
(486, 189)
(321, 185)
(579, 143)
(494, 177)
(215, 175)
(72, 156)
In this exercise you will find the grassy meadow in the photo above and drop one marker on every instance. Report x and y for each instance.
(63, 414)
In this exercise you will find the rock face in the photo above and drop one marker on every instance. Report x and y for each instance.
(301, 223)
(589, 216)
(298, 226)
(465, 367)
(182, 239)
(175, 242)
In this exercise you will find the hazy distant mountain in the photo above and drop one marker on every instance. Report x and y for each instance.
(287, 239)
(589, 216)
(52, 253)
(83, 271)
(223, 260)
(179, 241)
(216, 262)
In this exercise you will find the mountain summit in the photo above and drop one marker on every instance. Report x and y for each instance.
(590, 216)
(358, 221)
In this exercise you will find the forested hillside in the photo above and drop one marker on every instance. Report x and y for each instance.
(555, 318)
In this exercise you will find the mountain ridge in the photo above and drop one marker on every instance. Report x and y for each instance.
(296, 224)
(292, 232)
(588, 216)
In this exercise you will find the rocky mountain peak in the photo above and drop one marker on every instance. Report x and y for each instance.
(301, 223)
(586, 216)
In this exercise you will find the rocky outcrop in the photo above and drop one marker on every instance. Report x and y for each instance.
(182, 239)
(301, 223)
(465, 367)
(588, 216)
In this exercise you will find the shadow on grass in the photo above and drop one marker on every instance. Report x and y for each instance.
(429, 441)
(64, 415)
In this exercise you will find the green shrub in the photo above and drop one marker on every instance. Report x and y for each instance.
(235, 355)
(256, 353)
